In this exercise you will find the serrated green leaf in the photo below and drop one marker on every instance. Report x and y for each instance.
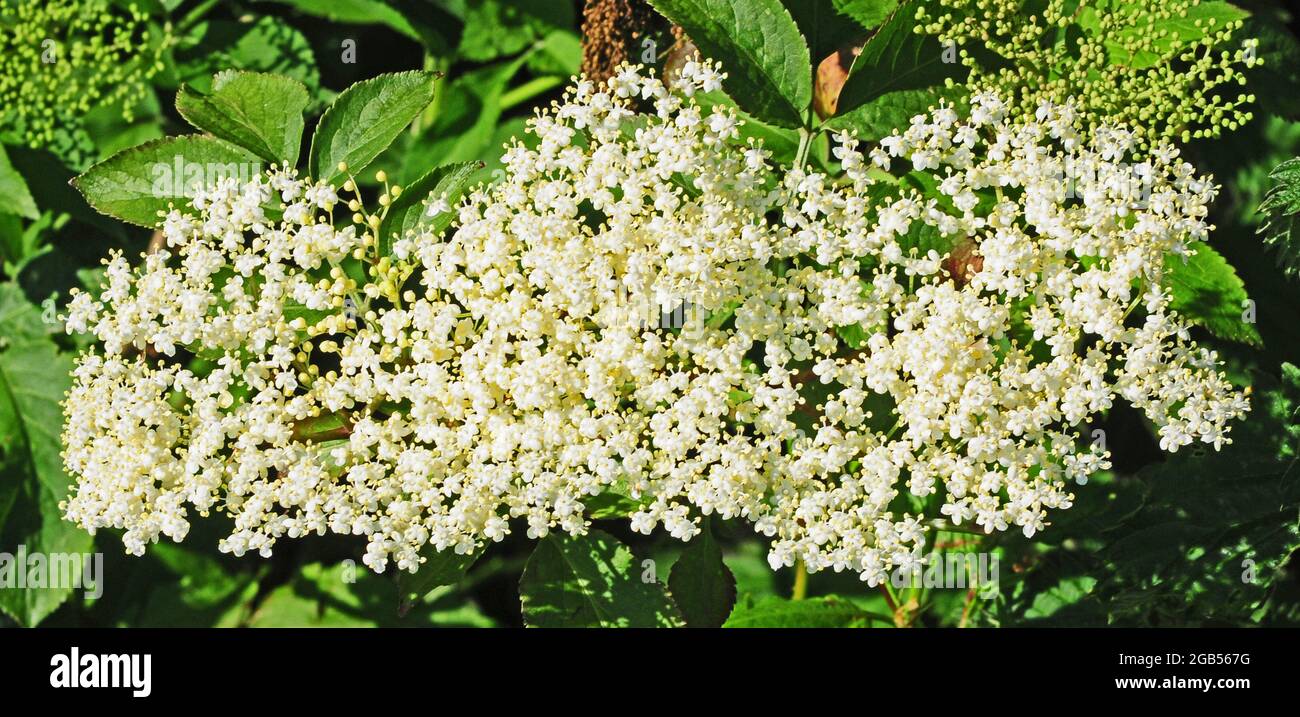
(408, 213)
(895, 60)
(259, 112)
(1207, 291)
(14, 195)
(590, 581)
(892, 111)
(1281, 212)
(815, 612)
(137, 184)
(768, 65)
(701, 584)
(364, 119)
(868, 13)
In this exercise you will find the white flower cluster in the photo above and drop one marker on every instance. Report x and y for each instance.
(861, 354)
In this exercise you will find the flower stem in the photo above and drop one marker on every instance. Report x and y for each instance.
(193, 16)
(529, 90)
(805, 141)
(800, 590)
(890, 600)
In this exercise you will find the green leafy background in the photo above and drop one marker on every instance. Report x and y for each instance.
(428, 90)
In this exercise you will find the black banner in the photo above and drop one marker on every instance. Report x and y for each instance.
(333, 667)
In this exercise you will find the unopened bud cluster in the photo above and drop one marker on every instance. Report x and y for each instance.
(59, 59)
(1165, 69)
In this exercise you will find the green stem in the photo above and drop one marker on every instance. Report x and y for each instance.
(805, 141)
(193, 16)
(891, 600)
(800, 590)
(439, 66)
(877, 617)
(529, 90)
(940, 524)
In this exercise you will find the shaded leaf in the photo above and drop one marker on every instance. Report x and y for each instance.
(590, 581)
(1281, 211)
(892, 111)
(1208, 539)
(895, 60)
(349, 595)
(498, 28)
(1276, 81)
(356, 12)
(559, 53)
(823, 27)
(33, 378)
(701, 584)
(268, 44)
(466, 123)
(20, 319)
(868, 13)
(440, 567)
(409, 214)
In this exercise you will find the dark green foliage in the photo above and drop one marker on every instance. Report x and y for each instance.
(701, 583)
(1281, 212)
(434, 90)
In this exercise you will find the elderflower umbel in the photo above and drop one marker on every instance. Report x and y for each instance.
(852, 344)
